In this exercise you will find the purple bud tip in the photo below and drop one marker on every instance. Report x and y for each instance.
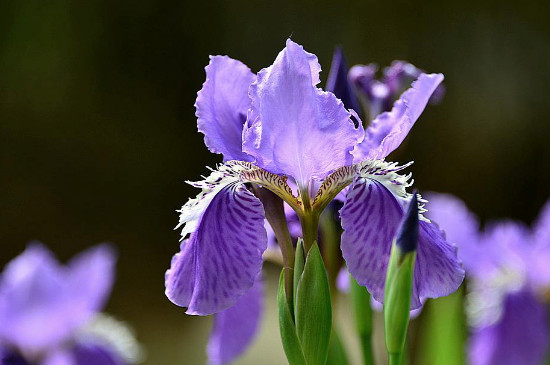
(407, 234)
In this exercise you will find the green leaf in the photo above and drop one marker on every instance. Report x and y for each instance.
(289, 337)
(336, 352)
(299, 262)
(313, 309)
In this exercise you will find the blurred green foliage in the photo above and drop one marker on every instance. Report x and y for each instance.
(98, 134)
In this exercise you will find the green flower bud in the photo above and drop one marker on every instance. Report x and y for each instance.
(399, 282)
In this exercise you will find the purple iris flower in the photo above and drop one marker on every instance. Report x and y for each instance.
(506, 280)
(278, 130)
(44, 306)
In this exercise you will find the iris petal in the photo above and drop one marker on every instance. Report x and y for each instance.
(222, 104)
(292, 124)
(370, 218)
(520, 337)
(236, 327)
(221, 259)
(42, 302)
(389, 129)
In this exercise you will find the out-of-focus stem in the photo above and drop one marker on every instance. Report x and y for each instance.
(362, 311)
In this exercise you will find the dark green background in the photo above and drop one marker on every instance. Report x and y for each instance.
(98, 133)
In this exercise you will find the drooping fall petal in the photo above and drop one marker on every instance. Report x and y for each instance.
(370, 218)
(222, 258)
(235, 328)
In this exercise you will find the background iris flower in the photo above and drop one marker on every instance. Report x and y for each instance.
(277, 131)
(49, 312)
(506, 283)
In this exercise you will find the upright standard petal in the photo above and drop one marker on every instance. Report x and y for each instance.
(42, 303)
(235, 328)
(221, 259)
(222, 104)
(519, 337)
(389, 129)
(370, 218)
(400, 74)
(292, 124)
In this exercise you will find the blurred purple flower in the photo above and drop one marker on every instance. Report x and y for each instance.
(379, 95)
(44, 304)
(520, 336)
(506, 274)
(274, 129)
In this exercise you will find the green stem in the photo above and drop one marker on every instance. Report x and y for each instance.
(308, 219)
(362, 310)
(310, 229)
(275, 215)
(395, 358)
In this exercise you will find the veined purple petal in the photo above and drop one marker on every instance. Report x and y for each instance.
(370, 219)
(338, 83)
(292, 124)
(520, 337)
(222, 104)
(221, 259)
(235, 328)
(437, 272)
(389, 129)
(42, 303)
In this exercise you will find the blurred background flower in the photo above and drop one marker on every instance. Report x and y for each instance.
(98, 132)
(49, 313)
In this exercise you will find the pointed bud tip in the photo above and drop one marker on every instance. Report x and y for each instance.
(407, 234)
